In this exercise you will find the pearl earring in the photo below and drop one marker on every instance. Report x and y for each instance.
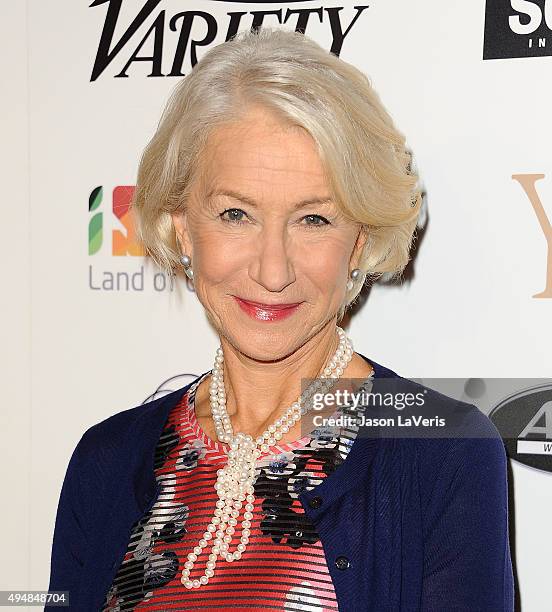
(187, 263)
(355, 274)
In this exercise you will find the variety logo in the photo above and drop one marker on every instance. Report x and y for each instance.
(524, 420)
(527, 181)
(517, 28)
(165, 41)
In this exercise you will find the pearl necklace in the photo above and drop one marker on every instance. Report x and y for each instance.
(234, 483)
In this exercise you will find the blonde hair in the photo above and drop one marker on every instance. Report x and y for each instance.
(367, 164)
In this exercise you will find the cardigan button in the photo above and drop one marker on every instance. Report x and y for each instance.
(315, 502)
(342, 563)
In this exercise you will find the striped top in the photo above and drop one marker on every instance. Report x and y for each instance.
(283, 567)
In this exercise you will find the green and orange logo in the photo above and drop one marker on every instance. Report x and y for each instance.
(122, 243)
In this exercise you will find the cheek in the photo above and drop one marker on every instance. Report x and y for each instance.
(328, 264)
(330, 278)
(217, 258)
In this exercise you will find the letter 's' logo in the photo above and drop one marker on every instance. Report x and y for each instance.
(517, 28)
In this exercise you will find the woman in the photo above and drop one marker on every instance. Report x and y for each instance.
(277, 181)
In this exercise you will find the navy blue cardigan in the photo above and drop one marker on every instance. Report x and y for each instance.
(406, 524)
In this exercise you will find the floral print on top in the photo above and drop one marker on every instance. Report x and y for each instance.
(283, 567)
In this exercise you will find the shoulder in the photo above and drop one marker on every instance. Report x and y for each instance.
(467, 449)
(128, 431)
(464, 426)
(462, 419)
(467, 461)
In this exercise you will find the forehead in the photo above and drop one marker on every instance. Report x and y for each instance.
(261, 153)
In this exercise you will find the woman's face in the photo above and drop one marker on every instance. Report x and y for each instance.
(262, 227)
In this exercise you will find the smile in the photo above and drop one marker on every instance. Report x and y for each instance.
(267, 312)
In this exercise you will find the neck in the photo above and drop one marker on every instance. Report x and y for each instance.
(258, 392)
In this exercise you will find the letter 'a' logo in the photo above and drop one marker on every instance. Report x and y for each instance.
(524, 420)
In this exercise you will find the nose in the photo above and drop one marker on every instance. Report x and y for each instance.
(272, 266)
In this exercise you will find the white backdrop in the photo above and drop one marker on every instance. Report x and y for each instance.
(73, 355)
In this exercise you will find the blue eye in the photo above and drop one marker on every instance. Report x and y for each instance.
(317, 218)
(233, 213)
(235, 217)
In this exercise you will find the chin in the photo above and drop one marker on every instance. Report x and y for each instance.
(273, 343)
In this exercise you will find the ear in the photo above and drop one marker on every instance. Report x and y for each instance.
(180, 222)
(360, 243)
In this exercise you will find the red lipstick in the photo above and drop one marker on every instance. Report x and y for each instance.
(267, 312)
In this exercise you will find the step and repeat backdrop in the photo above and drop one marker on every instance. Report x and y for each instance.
(91, 328)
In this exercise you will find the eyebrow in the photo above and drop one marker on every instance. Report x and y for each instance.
(247, 200)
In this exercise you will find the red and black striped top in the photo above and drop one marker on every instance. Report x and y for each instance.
(283, 567)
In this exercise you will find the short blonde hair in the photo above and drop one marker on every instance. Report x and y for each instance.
(367, 164)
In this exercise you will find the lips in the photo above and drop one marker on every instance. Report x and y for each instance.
(267, 312)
